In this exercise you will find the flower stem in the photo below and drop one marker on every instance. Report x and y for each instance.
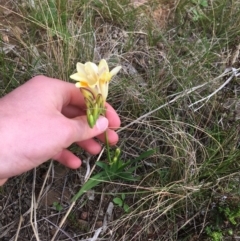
(107, 147)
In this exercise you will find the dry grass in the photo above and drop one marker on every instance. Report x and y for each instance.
(172, 96)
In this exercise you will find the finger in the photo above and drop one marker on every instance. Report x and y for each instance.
(112, 137)
(68, 159)
(80, 131)
(72, 111)
(2, 181)
(113, 118)
(91, 146)
(64, 93)
(72, 96)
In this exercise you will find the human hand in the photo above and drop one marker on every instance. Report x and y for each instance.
(43, 117)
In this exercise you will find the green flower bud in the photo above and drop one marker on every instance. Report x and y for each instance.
(117, 153)
(95, 112)
(90, 119)
(99, 101)
(115, 159)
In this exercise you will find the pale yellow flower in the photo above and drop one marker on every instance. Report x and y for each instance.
(105, 76)
(94, 77)
(93, 82)
(87, 75)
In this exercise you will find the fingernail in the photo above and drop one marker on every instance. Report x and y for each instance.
(102, 123)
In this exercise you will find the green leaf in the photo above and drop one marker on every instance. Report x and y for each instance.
(144, 155)
(126, 208)
(118, 201)
(103, 165)
(204, 3)
(112, 172)
(92, 182)
(128, 177)
(57, 206)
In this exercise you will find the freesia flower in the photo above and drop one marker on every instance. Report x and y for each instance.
(105, 76)
(94, 77)
(93, 82)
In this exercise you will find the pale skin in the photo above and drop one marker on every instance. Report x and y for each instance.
(41, 119)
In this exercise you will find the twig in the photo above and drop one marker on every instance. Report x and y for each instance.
(44, 182)
(73, 203)
(70, 238)
(19, 226)
(100, 205)
(96, 234)
(234, 74)
(63, 220)
(33, 208)
(107, 217)
(99, 156)
(8, 228)
(180, 95)
(88, 168)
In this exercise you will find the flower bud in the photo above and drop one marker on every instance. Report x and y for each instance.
(117, 153)
(95, 111)
(91, 121)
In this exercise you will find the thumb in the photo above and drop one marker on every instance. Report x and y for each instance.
(2, 181)
(84, 132)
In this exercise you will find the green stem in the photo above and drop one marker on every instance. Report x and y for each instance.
(107, 147)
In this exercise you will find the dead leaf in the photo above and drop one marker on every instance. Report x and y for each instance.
(17, 31)
(5, 38)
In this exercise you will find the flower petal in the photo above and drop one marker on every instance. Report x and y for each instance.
(104, 90)
(91, 71)
(78, 85)
(81, 84)
(115, 70)
(105, 77)
(90, 68)
(94, 78)
(76, 77)
(103, 67)
(80, 68)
